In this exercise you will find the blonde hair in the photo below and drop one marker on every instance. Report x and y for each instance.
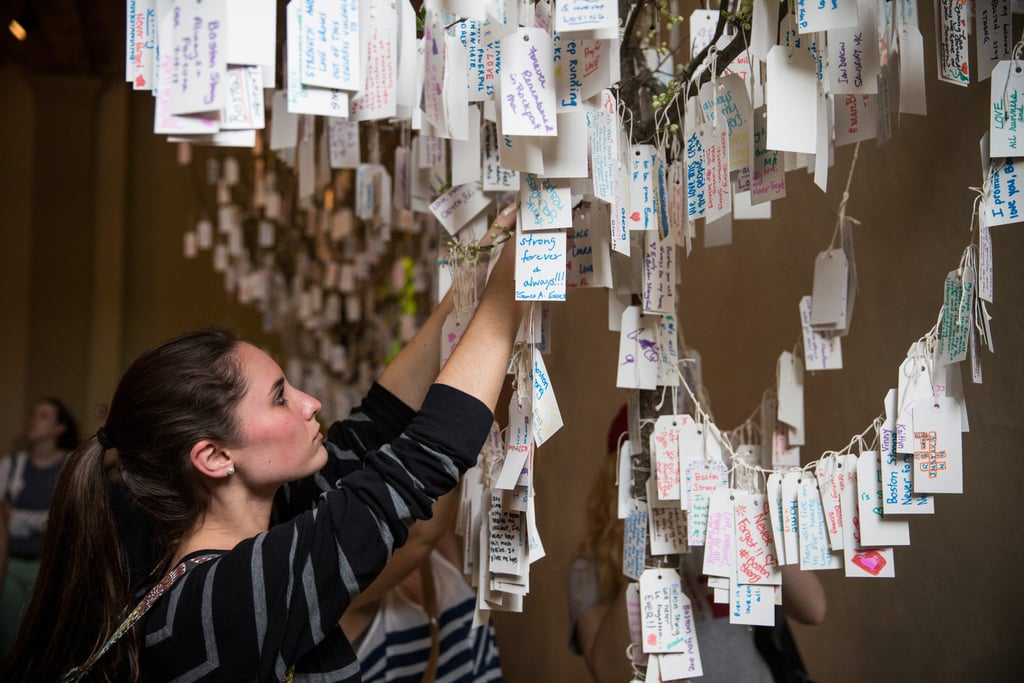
(602, 541)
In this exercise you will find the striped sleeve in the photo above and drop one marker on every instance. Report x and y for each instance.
(268, 602)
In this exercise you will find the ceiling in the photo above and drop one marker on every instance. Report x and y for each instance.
(83, 37)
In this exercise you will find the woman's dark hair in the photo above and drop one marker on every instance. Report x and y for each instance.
(171, 397)
(67, 441)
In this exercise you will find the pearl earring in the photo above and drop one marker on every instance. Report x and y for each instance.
(231, 469)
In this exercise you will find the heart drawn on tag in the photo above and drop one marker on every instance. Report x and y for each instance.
(873, 562)
(635, 216)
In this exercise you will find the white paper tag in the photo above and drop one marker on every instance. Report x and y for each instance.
(790, 380)
(726, 101)
(853, 55)
(752, 605)
(540, 266)
(667, 615)
(668, 531)
(716, 172)
(495, 176)
(876, 530)
(197, 80)
(604, 147)
(625, 478)
(638, 357)
(545, 204)
(832, 476)
(1001, 204)
(659, 275)
(911, 78)
(791, 516)
(696, 172)
(951, 35)
(957, 318)
(330, 56)
(703, 478)
(773, 494)
(815, 553)
(993, 33)
(756, 560)
(768, 180)
(938, 457)
(547, 419)
(720, 539)
(791, 97)
(1006, 121)
(634, 542)
(527, 84)
(814, 16)
(857, 560)
(586, 15)
(898, 469)
(821, 351)
(856, 118)
(519, 442)
(302, 98)
(378, 36)
(343, 138)
(458, 206)
(828, 300)
(665, 456)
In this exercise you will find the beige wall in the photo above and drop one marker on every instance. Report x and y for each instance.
(72, 320)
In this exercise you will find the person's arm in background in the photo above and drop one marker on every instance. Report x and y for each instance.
(803, 596)
(603, 634)
(4, 535)
(423, 536)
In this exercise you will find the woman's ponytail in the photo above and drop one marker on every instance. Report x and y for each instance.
(82, 586)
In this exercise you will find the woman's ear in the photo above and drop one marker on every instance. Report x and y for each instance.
(210, 459)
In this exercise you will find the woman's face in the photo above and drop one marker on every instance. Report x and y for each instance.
(279, 437)
(43, 424)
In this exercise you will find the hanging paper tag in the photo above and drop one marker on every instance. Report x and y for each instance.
(725, 101)
(1006, 120)
(667, 613)
(1000, 204)
(665, 453)
(856, 118)
(815, 553)
(495, 177)
(957, 319)
(752, 605)
(831, 477)
(813, 16)
(540, 266)
(330, 56)
(716, 172)
(641, 213)
(696, 171)
(634, 542)
(659, 275)
(625, 479)
(951, 33)
(506, 540)
(703, 478)
(791, 97)
(914, 384)
(519, 445)
(853, 55)
(668, 362)
(604, 147)
(545, 205)
(378, 33)
(243, 105)
(790, 380)
(565, 156)
(985, 278)
(638, 350)
(756, 561)
(720, 540)
(668, 531)
(993, 28)
(911, 79)
(457, 206)
(769, 176)
(938, 459)
(876, 530)
(791, 516)
(198, 77)
(773, 495)
(898, 469)
(343, 137)
(527, 84)
(828, 300)
(859, 561)
(547, 418)
(586, 15)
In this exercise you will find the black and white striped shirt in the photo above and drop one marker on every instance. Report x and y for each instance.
(274, 600)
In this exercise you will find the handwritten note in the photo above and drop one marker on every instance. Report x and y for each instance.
(197, 76)
(1006, 123)
(330, 56)
(527, 84)
(667, 616)
(716, 173)
(1001, 204)
(720, 539)
(377, 98)
(752, 605)
(768, 181)
(856, 118)
(303, 99)
(495, 176)
(832, 477)
(696, 192)
(993, 30)
(668, 531)
(639, 356)
(547, 419)
(703, 478)
(822, 351)
(343, 142)
(642, 211)
(457, 206)
(659, 271)
(140, 53)
(544, 204)
(540, 266)
(665, 456)
(938, 454)
(790, 494)
(860, 562)
(164, 122)
(243, 107)
(825, 15)
(518, 442)
(876, 529)
(898, 470)
(506, 550)
(634, 542)
(756, 560)
(604, 147)
(815, 553)
(951, 22)
(586, 15)
(957, 317)
(725, 101)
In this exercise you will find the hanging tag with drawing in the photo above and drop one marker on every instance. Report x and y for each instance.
(858, 560)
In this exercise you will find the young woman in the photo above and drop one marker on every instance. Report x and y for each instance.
(27, 482)
(208, 434)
